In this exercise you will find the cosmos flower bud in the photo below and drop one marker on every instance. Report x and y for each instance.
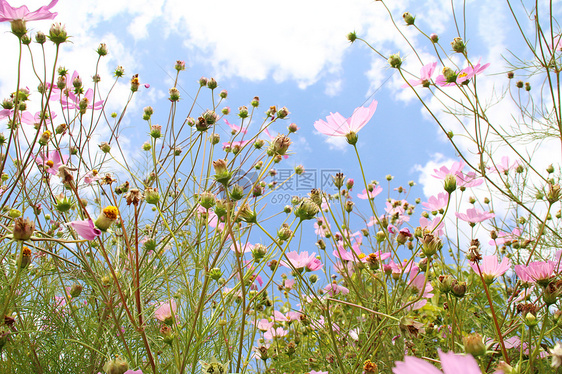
(530, 320)
(135, 83)
(62, 203)
(243, 112)
(174, 94)
(458, 289)
(76, 290)
(351, 137)
(180, 65)
(258, 252)
(306, 209)
(23, 228)
(151, 195)
(282, 113)
(284, 232)
(25, 257)
(222, 175)
(446, 283)
(237, 192)
(408, 18)
(434, 38)
(116, 366)
(57, 33)
(280, 144)
(19, 27)
(246, 214)
(553, 194)
(474, 345)
(352, 36)
(255, 102)
(431, 244)
(450, 183)
(203, 81)
(102, 49)
(106, 218)
(212, 83)
(105, 147)
(156, 131)
(44, 138)
(25, 39)
(395, 61)
(119, 71)
(215, 274)
(458, 45)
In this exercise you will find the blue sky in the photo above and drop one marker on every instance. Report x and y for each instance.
(290, 53)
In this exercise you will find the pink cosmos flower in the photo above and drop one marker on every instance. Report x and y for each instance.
(298, 260)
(425, 76)
(279, 317)
(463, 76)
(370, 194)
(474, 215)
(30, 119)
(354, 255)
(52, 161)
(469, 179)
(236, 128)
(264, 324)
(504, 237)
(335, 289)
(91, 177)
(318, 372)
(166, 311)
(323, 229)
(417, 281)
(504, 166)
(436, 203)
(275, 333)
(241, 248)
(538, 271)
(490, 268)
(435, 225)
(450, 362)
(338, 125)
(443, 171)
(9, 13)
(85, 229)
(73, 101)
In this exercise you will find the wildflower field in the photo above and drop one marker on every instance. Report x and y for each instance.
(183, 257)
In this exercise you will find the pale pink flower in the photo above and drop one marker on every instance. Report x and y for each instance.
(463, 76)
(417, 281)
(318, 372)
(236, 128)
(370, 194)
(279, 317)
(474, 215)
(435, 225)
(426, 73)
(490, 268)
(504, 237)
(539, 271)
(72, 101)
(504, 166)
(450, 362)
(335, 289)
(294, 316)
(52, 161)
(91, 177)
(323, 229)
(443, 171)
(238, 143)
(289, 283)
(9, 13)
(264, 324)
(469, 179)
(436, 203)
(354, 255)
(314, 265)
(241, 248)
(85, 229)
(338, 125)
(32, 120)
(275, 333)
(166, 311)
(298, 260)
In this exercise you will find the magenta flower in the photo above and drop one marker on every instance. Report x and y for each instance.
(474, 215)
(166, 311)
(9, 13)
(52, 161)
(85, 229)
(370, 194)
(417, 281)
(436, 203)
(540, 272)
(338, 125)
(238, 143)
(425, 76)
(450, 362)
(490, 268)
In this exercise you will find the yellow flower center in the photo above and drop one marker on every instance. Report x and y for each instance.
(26, 252)
(50, 163)
(462, 75)
(111, 212)
(94, 172)
(361, 255)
